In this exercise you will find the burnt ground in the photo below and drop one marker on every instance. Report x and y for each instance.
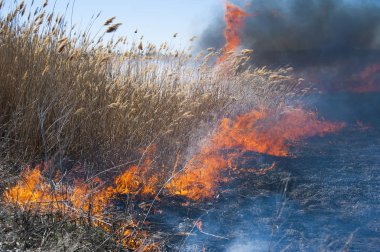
(325, 198)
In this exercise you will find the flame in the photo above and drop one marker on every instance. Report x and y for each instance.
(369, 79)
(34, 192)
(234, 19)
(199, 225)
(256, 131)
(136, 181)
(362, 126)
(30, 189)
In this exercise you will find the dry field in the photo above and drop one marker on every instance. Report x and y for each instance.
(86, 107)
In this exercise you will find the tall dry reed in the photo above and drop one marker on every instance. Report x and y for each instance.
(67, 95)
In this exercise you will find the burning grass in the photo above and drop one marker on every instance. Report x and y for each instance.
(234, 17)
(85, 99)
(256, 131)
(117, 121)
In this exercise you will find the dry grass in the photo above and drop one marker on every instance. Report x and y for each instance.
(85, 99)
(76, 98)
(24, 231)
(70, 96)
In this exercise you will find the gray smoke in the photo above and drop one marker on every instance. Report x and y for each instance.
(313, 31)
(329, 43)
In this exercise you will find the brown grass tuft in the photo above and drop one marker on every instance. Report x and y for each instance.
(113, 28)
(109, 21)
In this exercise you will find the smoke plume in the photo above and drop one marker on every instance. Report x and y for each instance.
(295, 29)
(332, 44)
(298, 31)
(308, 33)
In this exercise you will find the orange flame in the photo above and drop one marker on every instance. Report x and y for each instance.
(234, 18)
(369, 79)
(256, 131)
(34, 192)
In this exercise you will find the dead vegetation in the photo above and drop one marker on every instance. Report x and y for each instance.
(27, 231)
(102, 103)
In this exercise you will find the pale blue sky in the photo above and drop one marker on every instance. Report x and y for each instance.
(157, 20)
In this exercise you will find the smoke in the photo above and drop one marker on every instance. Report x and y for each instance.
(322, 200)
(331, 204)
(248, 246)
(290, 31)
(333, 45)
(298, 31)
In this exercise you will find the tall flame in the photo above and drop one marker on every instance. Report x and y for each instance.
(234, 19)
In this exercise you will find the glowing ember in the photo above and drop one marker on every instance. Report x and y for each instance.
(256, 131)
(234, 18)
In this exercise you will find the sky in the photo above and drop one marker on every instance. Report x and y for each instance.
(156, 20)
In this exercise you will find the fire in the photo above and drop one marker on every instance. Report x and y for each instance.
(362, 126)
(35, 192)
(368, 79)
(256, 131)
(32, 191)
(259, 131)
(199, 225)
(234, 18)
(136, 181)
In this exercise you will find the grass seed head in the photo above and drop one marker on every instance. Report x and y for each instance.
(113, 28)
(109, 21)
